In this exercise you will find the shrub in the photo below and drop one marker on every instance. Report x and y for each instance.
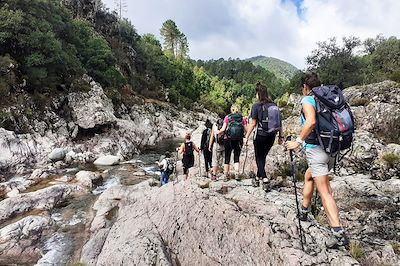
(391, 159)
(356, 250)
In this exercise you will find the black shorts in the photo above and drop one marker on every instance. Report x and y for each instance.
(188, 162)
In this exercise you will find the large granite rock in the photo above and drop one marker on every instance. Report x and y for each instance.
(44, 199)
(91, 109)
(376, 108)
(183, 224)
(20, 241)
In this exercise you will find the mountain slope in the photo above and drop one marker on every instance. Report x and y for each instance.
(279, 67)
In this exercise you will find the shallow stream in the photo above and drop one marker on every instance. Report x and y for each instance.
(72, 219)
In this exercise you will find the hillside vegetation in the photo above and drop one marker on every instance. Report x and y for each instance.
(46, 47)
(280, 68)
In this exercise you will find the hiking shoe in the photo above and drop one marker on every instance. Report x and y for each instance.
(255, 182)
(303, 213)
(337, 239)
(266, 186)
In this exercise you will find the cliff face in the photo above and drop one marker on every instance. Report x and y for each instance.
(90, 125)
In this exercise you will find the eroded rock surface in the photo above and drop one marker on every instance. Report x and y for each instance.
(182, 223)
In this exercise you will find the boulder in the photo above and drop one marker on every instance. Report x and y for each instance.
(187, 225)
(91, 109)
(57, 154)
(20, 241)
(44, 199)
(376, 108)
(89, 179)
(107, 160)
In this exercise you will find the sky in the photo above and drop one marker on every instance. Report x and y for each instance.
(285, 29)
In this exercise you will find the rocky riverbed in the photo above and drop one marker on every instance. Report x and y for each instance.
(90, 199)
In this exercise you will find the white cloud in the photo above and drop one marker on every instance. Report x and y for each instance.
(245, 28)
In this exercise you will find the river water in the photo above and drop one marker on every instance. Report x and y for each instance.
(72, 220)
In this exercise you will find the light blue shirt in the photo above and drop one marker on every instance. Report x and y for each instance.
(308, 100)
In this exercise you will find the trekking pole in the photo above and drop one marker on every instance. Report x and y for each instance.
(245, 159)
(295, 193)
(176, 165)
(199, 165)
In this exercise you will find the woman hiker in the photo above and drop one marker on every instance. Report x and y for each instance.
(205, 140)
(266, 118)
(234, 128)
(187, 148)
(319, 165)
(216, 146)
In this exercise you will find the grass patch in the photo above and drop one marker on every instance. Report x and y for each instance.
(396, 247)
(204, 185)
(356, 250)
(360, 102)
(391, 159)
(300, 168)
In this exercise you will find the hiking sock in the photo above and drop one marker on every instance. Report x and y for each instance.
(337, 229)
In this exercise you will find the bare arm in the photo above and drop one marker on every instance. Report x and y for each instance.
(222, 130)
(311, 120)
(250, 127)
(196, 148)
(182, 148)
(212, 137)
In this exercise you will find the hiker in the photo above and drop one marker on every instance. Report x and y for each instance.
(266, 118)
(216, 146)
(234, 128)
(167, 168)
(205, 140)
(186, 149)
(319, 164)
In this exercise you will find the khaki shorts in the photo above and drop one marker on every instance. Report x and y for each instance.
(319, 161)
(218, 153)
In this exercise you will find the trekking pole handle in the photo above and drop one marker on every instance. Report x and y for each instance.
(289, 138)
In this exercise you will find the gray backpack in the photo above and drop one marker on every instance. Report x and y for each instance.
(269, 119)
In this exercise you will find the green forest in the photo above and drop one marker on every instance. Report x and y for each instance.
(45, 49)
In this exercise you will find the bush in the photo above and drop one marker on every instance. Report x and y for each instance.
(391, 159)
(356, 250)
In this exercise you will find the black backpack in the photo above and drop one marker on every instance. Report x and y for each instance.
(235, 129)
(269, 119)
(189, 148)
(335, 122)
(170, 166)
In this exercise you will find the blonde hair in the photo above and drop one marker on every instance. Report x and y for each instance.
(235, 108)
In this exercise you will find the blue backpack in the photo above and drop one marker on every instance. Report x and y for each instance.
(269, 119)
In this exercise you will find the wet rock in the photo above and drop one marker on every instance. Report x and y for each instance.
(57, 154)
(44, 199)
(38, 175)
(20, 241)
(107, 160)
(89, 179)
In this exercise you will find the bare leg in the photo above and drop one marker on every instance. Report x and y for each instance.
(308, 188)
(237, 168)
(226, 169)
(330, 208)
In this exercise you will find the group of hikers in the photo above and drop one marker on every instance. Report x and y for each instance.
(327, 127)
